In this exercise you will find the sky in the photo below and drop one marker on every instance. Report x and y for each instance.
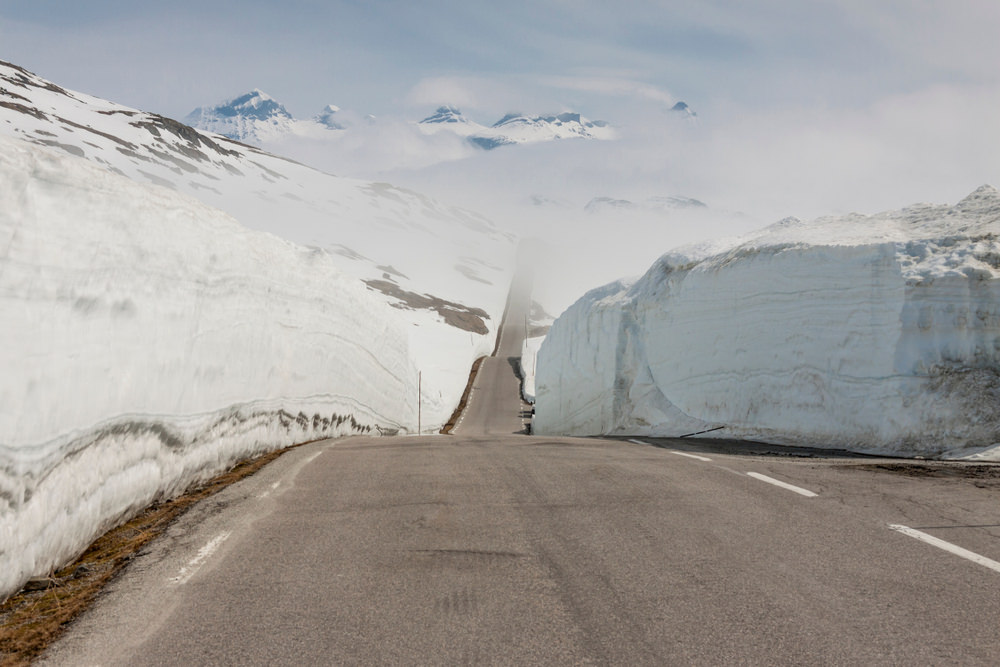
(805, 108)
(378, 56)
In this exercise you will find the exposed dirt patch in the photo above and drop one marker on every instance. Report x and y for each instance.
(20, 108)
(983, 474)
(455, 314)
(110, 137)
(193, 137)
(34, 618)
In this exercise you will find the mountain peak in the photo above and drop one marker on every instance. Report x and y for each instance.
(326, 117)
(682, 109)
(445, 114)
(255, 104)
(985, 197)
(248, 118)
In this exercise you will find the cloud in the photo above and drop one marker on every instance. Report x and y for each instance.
(611, 86)
(450, 90)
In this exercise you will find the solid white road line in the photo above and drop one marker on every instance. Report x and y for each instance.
(690, 456)
(672, 451)
(770, 480)
(947, 546)
(203, 554)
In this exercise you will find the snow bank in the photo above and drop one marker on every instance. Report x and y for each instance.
(872, 333)
(149, 341)
(529, 355)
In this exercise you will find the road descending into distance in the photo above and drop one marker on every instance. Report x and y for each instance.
(493, 547)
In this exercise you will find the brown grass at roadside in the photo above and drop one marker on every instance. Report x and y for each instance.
(450, 424)
(33, 619)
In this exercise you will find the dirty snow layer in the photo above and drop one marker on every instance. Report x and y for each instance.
(874, 333)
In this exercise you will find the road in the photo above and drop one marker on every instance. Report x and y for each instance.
(490, 547)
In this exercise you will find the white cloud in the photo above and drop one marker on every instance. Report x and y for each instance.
(454, 91)
(611, 86)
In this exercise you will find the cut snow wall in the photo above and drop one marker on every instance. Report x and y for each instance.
(149, 341)
(891, 346)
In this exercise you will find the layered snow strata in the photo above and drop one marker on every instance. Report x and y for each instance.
(150, 341)
(873, 333)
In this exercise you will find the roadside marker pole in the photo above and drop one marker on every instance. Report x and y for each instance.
(419, 401)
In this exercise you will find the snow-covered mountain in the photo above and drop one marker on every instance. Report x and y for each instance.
(450, 119)
(665, 203)
(250, 118)
(256, 118)
(873, 333)
(684, 111)
(328, 117)
(516, 128)
(521, 129)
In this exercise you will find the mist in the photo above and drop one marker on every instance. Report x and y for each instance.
(608, 209)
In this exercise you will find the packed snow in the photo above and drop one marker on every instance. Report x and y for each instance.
(874, 333)
(150, 341)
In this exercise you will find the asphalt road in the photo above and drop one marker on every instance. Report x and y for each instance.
(488, 547)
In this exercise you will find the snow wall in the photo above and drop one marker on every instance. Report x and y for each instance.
(149, 342)
(870, 333)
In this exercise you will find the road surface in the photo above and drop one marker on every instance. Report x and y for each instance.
(491, 547)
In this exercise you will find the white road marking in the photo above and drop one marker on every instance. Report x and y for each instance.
(204, 554)
(673, 451)
(770, 480)
(690, 456)
(947, 546)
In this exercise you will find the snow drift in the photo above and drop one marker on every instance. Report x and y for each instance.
(873, 333)
(149, 341)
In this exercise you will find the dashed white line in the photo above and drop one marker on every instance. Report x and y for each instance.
(690, 456)
(639, 442)
(947, 546)
(204, 553)
(770, 480)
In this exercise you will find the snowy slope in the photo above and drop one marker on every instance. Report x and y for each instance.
(150, 341)
(874, 333)
(447, 268)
